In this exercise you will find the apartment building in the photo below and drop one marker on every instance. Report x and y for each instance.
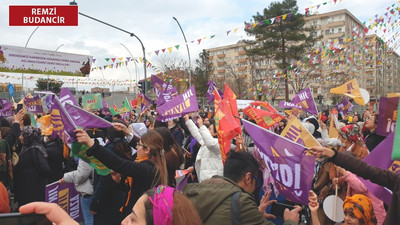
(345, 53)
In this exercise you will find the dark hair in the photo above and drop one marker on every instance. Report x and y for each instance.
(212, 122)
(117, 116)
(120, 146)
(4, 131)
(183, 211)
(376, 118)
(238, 164)
(160, 124)
(26, 120)
(173, 153)
(4, 123)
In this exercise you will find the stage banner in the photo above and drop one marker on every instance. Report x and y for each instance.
(67, 197)
(15, 59)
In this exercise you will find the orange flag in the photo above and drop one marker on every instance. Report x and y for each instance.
(226, 130)
(263, 118)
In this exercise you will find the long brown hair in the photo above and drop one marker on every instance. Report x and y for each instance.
(183, 211)
(154, 141)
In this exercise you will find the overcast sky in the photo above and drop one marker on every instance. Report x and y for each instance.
(152, 22)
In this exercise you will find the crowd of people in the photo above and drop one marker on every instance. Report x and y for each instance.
(144, 155)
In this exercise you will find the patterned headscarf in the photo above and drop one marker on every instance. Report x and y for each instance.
(352, 133)
(360, 207)
(32, 139)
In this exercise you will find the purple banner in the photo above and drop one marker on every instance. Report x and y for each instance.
(159, 85)
(66, 196)
(210, 91)
(63, 125)
(387, 115)
(105, 109)
(305, 99)
(381, 157)
(283, 104)
(178, 106)
(145, 102)
(166, 96)
(33, 105)
(344, 106)
(67, 96)
(6, 108)
(85, 119)
(290, 166)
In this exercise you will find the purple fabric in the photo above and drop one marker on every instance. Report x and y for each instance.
(63, 125)
(183, 183)
(163, 204)
(283, 104)
(387, 109)
(166, 96)
(66, 196)
(344, 106)
(291, 168)
(381, 157)
(6, 108)
(159, 85)
(210, 91)
(67, 96)
(34, 105)
(105, 109)
(144, 103)
(193, 142)
(178, 106)
(85, 119)
(305, 100)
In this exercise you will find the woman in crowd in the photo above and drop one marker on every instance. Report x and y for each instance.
(32, 170)
(160, 206)
(372, 139)
(176, 131)
(282, 125)
(351, 139)
(174, 154)
(208, 161)
(147, 171)
(358, 210)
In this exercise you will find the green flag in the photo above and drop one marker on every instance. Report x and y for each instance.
(79, 150)
(396, 142)
(92, 101)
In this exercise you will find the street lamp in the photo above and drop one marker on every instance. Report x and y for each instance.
(134, 62)
(187, 47)
(130, 33)
(26, 44)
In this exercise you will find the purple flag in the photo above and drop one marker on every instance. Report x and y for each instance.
(381, 157)
(105, 109)
(145, 102)
(67, 96)
(85, 119)
(291, 167)
(6, 108)
(210, 91)
(166, 96)
(63, 125)
(305, 100)
(387, 115)
(159, 85)
(67, 197)
(283, 104)
(178, 106)
(34, 105)
(344, 106)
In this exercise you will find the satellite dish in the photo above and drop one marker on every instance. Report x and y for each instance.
(364, 96)
(329, 208)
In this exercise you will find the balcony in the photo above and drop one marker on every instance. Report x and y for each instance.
(221, 63)
(221, 71)
(221, 56)
(242, 68)
(242, 53)
(242, 60)
(336, 23)
(243, 76)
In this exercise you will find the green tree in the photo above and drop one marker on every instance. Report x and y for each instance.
(201, 74)
(53, 85)
(285, 40)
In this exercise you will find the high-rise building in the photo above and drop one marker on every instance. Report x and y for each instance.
(343, 52)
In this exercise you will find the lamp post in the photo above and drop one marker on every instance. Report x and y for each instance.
(135, 65)
(130, 33)
(26, 44)
(187, 47)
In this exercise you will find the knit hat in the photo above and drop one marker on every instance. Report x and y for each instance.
(313, 121)
(360, 207)
(310, 127)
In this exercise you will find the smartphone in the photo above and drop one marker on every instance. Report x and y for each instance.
(19, 107)
(24, 219)
(278, 208)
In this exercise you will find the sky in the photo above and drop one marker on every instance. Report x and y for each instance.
(152, 22)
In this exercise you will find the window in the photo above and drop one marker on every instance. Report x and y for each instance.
(236, 57)
(327, 32)
(339, 30)
(314, 22)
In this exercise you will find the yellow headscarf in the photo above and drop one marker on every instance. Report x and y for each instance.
(360, 206)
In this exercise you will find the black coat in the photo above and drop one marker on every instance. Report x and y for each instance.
(55, 159)
(142, 173)
(31, 176)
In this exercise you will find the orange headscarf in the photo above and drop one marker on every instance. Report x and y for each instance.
(360, 206)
